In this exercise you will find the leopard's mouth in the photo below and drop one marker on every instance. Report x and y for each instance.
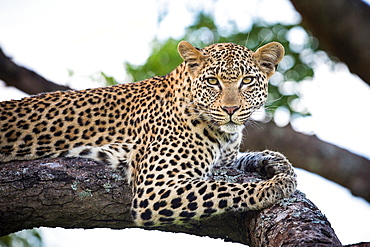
(227, 123)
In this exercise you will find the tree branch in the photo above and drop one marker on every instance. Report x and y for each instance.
(24, 79)
(78, 193)
(342, 27)
(312, 154)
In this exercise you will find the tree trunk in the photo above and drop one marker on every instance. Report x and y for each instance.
(312, 154)
(343, 29)
(25, 79)
(77, 193)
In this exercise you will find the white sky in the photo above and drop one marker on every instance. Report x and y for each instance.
(52, 37)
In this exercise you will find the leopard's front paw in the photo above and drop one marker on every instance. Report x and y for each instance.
(273, 163)
(268, 192)
(278, 187)
(267, 163)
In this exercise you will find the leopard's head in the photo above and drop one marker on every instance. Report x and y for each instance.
(228, 81)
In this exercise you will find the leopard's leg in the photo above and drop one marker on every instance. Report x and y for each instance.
(165, 198)
(114, 155)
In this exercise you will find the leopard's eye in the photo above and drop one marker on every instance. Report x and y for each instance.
(247, 80)
(212, 81)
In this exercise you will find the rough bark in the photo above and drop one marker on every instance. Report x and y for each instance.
(77, 193)
(24, 79)
(342, 28)
(312, 154)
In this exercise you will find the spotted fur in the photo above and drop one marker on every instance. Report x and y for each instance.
(166, 133)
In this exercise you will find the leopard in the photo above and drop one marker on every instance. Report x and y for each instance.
(166, 134)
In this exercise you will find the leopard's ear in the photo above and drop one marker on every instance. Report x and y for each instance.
(268, 57)
(191, 55)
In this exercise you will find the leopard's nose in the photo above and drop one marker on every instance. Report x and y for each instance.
(230, 109)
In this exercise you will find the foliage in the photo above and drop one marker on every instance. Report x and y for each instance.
(109, 80)
(163, 59)
(26, 238)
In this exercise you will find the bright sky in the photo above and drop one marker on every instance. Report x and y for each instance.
(52, 37)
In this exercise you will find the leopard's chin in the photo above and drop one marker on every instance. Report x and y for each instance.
(231, 128)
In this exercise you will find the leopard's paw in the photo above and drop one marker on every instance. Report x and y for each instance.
(269, 163)
(268, 192)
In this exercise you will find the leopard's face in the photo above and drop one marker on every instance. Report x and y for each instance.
(229, 87)
(229, 83)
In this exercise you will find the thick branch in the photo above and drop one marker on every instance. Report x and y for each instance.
(63, 192)
(312, 154)
(343, 29)
(25, 79)
(76, 193)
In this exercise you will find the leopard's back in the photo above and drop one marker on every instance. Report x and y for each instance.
(48, 125)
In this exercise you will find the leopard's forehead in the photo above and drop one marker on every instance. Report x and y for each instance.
(227, 50)
(229, 60)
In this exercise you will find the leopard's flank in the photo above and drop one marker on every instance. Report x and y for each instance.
(166, 133)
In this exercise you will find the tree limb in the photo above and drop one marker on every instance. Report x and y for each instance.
(24, 79)
(343, 29)
(312, 154)
(78, 193)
